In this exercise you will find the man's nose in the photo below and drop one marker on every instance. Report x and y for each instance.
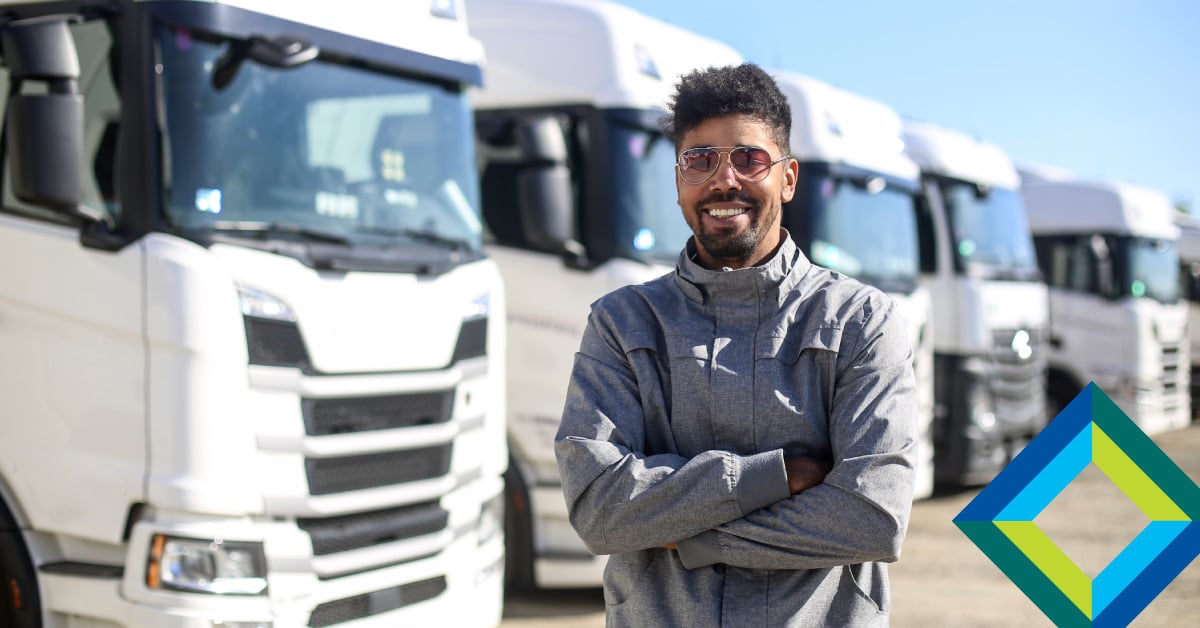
(725, 178)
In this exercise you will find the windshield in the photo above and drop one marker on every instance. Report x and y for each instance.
(648, 222)
(863, 228)
(991, 235)
(325, 150)
(1148, 267)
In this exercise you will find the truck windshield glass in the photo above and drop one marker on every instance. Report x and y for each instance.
(648, 222)
(991, 235)
(864, 230)
(368, 157)
(1148, 268)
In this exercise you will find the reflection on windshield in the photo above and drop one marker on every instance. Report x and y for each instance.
(322, 148)
(648, 222)
(990, 230)
(872, 236)
(1148, 268)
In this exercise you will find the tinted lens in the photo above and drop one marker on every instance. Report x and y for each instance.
(699, 160)
(749, 159)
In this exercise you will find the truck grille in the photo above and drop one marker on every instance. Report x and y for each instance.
(352, 473)
(376, 602)
(332, 535)
(275, 343)
(362, 414)
(472, 340)
(1175, 375)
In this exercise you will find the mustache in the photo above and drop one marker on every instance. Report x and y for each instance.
(732, 196)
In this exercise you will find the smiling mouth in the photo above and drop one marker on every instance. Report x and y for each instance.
(726, 213)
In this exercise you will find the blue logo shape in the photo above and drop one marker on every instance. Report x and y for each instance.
(1091, 429)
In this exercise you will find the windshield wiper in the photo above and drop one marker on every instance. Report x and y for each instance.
(418, 235)
(262, 229)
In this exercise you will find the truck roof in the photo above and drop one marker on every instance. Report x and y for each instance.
(409, 25)
(554, 52)
(832, 125)
(952, 153)
(1057, 202)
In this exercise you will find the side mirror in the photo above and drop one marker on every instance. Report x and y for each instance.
(1106, 282)
(545, 199)
(45, 130)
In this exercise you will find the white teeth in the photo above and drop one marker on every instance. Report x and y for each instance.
(725, 213)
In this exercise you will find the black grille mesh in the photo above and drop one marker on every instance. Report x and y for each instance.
(472, 340)
(351, 473)
(350, 532)
(275, 343)
(359, 606)
(362, 414)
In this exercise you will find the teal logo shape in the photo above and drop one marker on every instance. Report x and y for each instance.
(1091, 429)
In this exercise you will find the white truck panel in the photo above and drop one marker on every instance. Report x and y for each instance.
(401, 24)
(832, 125)
(955, 154)
(1101, 207)
(75, 399)
(555, 52)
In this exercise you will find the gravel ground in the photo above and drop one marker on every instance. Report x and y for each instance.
(943, 580)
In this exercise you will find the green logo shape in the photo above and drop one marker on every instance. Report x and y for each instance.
(1091, 429)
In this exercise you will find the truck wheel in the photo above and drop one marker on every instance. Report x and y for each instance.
(518, 533)
(20, 606)
(1059, 393)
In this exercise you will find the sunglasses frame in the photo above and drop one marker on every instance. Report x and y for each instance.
(728, 156)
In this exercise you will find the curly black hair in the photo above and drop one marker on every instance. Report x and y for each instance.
(724, 91)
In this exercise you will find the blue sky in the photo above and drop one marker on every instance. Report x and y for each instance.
(1106, 88)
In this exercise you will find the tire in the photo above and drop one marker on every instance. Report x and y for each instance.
(518, 533)
(20, 605)
(1059, 392)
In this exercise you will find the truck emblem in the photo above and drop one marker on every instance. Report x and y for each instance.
(1020, 344)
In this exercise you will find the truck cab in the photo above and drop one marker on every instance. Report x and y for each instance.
(990, 305)
(853, 212)
(1110, 254)
(253, 348)
(579, 199)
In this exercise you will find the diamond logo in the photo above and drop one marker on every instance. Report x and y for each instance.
(1091, 429)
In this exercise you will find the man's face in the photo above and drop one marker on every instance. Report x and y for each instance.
(736, 222)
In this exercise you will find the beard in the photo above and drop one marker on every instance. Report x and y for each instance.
(728, 244)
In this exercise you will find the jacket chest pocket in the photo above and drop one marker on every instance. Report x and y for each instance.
(689, 360)
(794, 380)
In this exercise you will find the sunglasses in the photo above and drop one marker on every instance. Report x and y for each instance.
(751, 163)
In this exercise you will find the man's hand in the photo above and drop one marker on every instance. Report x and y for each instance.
(805, 472)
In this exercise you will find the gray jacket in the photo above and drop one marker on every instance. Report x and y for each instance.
(685, 395)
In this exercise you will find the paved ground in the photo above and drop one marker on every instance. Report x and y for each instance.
(943, 580)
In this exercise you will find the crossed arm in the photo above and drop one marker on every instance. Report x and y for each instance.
(763, 510)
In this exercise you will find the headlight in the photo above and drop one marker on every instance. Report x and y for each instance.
(206, 566)
(982, 411)
(262, 305)
(491, 519)
(479, 307)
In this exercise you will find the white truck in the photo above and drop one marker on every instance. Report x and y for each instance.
(854, 212)
(990, 305)
(579, 199)
(1108, 251)
(1189, 269)
(252, 365)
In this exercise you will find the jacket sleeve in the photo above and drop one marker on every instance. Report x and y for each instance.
(619, 497)
(860, 513)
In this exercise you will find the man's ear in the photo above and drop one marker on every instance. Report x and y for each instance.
(791, 174)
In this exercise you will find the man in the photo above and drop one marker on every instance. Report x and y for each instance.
(739, 433)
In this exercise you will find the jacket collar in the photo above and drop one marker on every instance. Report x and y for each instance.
(773, 279)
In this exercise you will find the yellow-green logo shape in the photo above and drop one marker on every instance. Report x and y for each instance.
(1091, 429)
